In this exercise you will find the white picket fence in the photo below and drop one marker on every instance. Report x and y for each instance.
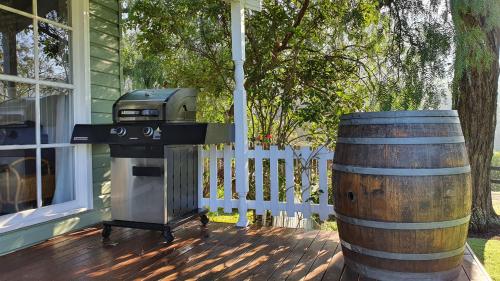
(295, 173)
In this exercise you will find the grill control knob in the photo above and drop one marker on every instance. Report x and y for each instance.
(120, 131)
(147, 131)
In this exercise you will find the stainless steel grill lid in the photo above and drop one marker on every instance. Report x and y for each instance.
(168, 105)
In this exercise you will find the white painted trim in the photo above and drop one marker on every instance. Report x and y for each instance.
(240, 107)
(35, 216)
(33, 146)
(17, 79)
(255, 5)
(37, 109)
(82, 114)
(82, 99)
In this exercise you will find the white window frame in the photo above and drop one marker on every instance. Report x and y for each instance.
(81, 114)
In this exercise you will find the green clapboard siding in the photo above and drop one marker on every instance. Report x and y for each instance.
(105, 88)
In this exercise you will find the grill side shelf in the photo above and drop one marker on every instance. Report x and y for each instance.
(165, 134)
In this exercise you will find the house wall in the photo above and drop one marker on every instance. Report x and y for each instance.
(105, 88)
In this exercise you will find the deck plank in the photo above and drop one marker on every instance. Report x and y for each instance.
(335, 266)
(472, 270)
(349, 275)
(282, 271)
(462, 276)
(239, 268)
(187, 239)
(321, 262)
(235, 255)
(198, 266)
(219, 252)
(270, 260)
(302, 268)
(168, 265)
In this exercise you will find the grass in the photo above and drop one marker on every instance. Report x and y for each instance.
(220, 216)
(329, 225)
(488, 252)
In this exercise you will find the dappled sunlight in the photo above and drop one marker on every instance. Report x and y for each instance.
(219, 251)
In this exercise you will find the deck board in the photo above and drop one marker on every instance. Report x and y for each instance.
(218, 252)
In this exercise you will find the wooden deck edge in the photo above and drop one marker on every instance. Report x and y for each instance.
(478, 262)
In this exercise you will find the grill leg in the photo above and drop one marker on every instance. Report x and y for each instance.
(204, 220)
(106, 231)
(167, 234)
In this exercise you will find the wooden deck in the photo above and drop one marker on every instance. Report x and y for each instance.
(219, 252)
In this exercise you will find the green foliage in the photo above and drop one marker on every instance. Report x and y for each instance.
(415, 71)
(476, 21)
(307, 62)
(487, 252)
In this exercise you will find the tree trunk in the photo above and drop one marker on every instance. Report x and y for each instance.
(476, 90)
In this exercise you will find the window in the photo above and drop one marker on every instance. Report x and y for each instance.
(42, 77)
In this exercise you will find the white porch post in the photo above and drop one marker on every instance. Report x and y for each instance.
(240, 107)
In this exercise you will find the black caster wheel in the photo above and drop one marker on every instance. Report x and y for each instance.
(106, 231)
(204, 220)
(167, 235)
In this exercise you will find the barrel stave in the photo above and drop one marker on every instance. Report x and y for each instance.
(402, 156)
(403, 199)
(403, 241)
(404, 265)
(402, 193)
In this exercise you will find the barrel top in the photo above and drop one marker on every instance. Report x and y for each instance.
(402, 113)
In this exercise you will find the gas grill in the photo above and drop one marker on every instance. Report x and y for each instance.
(154, 143)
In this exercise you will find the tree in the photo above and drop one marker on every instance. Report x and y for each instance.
(477, 27)
(307, 61)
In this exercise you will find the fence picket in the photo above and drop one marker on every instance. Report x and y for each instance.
(305, 155)
(323, 185)
(289, 181)
(213, 178)
(273, 174)
(259, 182)
(228, 178)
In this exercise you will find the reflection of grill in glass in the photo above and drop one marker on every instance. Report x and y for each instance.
(154, 142)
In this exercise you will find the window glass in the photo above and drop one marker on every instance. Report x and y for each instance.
(57, 175)
(17, 113)
(16, 45)
(55, 10)
(55, 114)
(54, 53)
(17, 180)
(36, 112)
(22, 5)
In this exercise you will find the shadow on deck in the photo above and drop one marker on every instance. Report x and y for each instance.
(219, 252)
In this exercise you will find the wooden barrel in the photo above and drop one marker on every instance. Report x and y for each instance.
(402, 194)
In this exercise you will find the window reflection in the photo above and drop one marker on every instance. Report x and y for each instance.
(55, 10)
(22, 5)
(17, 113)
(54, 53)
(57, 175)
(55, 114)
(16, 45)
(17, 180)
